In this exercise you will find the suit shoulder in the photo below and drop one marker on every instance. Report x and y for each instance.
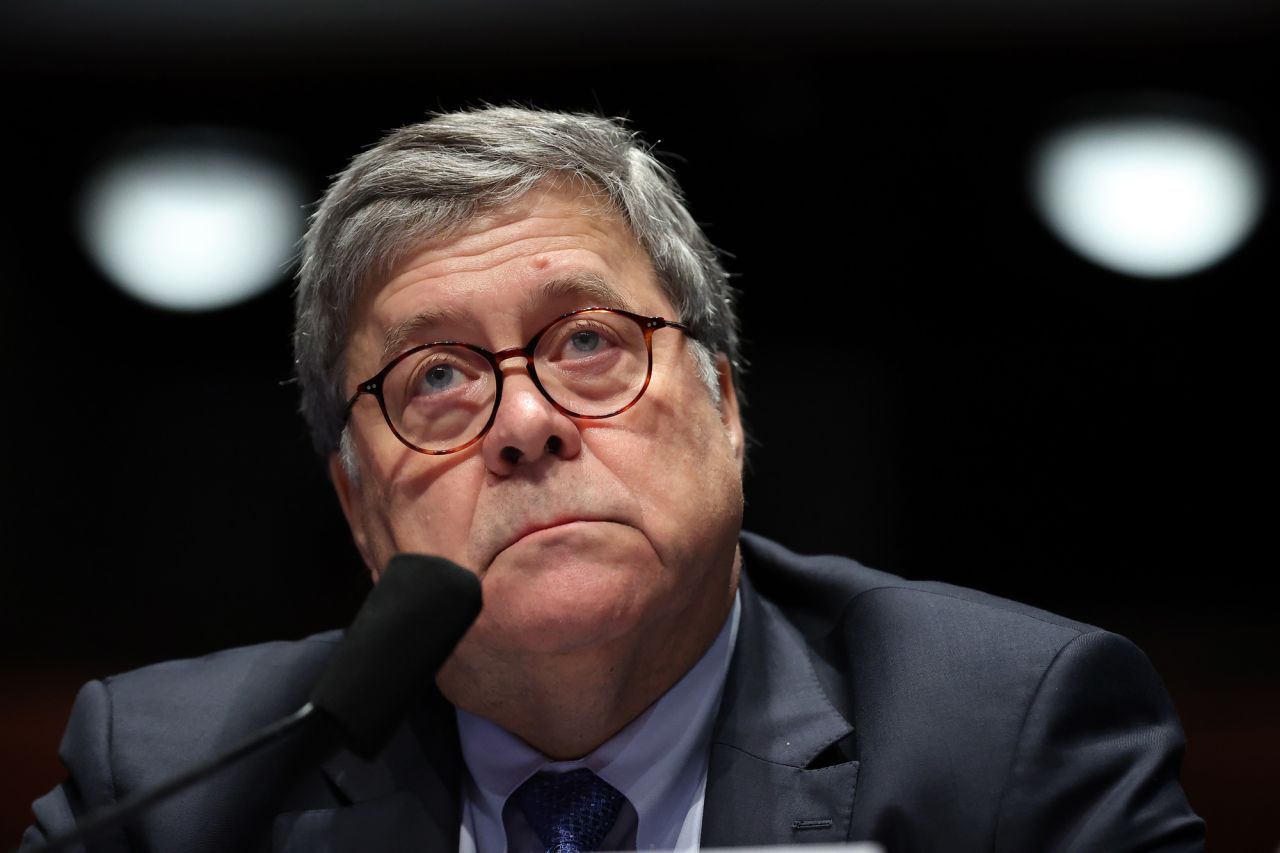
(212, 700)
(992, 712)
(822, 590)
(273, 664)
(135, 731)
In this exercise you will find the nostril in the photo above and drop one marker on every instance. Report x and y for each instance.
(511, 454)
(554, 443)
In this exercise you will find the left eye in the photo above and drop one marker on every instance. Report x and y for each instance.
(438, 377)
(585, 341)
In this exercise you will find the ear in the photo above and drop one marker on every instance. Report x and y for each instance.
(729, 407)
(351, 499)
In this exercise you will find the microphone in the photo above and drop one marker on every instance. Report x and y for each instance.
(408, 625)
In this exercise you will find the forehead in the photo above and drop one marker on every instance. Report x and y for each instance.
(554, 248)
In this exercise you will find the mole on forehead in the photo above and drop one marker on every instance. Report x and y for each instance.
(586, 289)
(534, 237)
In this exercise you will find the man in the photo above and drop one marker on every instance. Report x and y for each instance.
(518, 351)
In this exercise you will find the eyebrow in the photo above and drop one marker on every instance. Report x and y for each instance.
(589, 289)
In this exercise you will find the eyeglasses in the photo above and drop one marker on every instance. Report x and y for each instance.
(443, 397)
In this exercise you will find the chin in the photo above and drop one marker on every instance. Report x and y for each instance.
(566, 607)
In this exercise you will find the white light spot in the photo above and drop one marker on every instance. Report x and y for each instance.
(193, 228)
(1149, 197)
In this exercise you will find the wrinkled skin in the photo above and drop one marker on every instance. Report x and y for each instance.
(607, 550)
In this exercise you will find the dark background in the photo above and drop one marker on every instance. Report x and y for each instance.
(938, 387)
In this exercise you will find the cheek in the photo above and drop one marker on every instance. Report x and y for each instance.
(680, 466)
(429, 510)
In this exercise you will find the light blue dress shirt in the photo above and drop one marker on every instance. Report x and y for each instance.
(658, 762)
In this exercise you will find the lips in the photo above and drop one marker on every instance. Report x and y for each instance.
(531, 528)
(534, 527)
(518, 507)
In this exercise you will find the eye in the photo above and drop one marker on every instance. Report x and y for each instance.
(441, 372)
(438, 376)
(585, 341)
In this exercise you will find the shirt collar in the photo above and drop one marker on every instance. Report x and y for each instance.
(657, 761)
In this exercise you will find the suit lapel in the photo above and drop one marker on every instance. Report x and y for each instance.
(409, 798)
(775, 774)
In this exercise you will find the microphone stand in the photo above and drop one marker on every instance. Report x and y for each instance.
(130, 806)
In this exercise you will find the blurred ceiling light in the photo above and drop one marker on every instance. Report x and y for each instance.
(1150, 197)
(193, 225)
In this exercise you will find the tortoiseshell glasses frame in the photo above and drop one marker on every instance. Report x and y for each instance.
(375, 385)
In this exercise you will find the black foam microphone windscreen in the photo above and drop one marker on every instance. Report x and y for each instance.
(410, 623)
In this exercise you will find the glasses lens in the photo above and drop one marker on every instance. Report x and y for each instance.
(593, 363)
(440, 398)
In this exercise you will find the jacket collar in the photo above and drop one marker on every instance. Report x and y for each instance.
(777, 774)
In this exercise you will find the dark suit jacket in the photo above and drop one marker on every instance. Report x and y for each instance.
(858, 706)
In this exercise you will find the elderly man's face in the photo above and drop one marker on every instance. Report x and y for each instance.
(581, 531)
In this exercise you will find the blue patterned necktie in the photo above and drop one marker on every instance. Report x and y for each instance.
(570, 812)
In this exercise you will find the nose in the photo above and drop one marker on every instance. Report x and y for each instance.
(527, 427)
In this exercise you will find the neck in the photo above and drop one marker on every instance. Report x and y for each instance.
(612, 684)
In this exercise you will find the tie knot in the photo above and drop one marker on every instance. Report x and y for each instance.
(570, 812)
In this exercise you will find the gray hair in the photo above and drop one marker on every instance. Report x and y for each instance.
(432, 178)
